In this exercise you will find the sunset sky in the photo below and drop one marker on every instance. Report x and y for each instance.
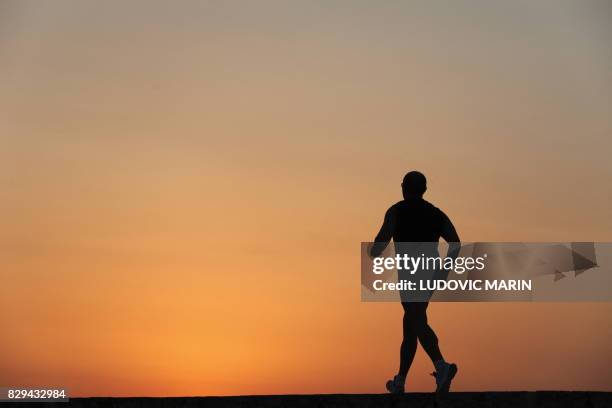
(185, 186)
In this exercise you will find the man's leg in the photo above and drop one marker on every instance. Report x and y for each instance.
(445, 372)
(407, 352)
(408, 347)
(427, 337)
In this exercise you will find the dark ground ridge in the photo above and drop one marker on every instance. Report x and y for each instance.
(422, 400)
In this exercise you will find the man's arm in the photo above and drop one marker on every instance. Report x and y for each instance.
(450, 235)
(384, 235)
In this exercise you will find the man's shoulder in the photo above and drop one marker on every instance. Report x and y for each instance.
(404, 205)
(395, 207)
(433, 207)
(392, 211)
(426, 205)
(439, 213)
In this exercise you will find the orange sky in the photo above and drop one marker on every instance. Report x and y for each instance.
(185, 187)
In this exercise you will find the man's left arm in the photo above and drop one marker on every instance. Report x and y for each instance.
(449, 233)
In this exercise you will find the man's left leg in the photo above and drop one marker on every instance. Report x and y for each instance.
(445, 372)
(427, 337)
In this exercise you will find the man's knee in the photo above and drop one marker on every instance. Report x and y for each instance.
(415, 323)
(431, 335)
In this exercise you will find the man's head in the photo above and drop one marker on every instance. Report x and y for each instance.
(414, 184)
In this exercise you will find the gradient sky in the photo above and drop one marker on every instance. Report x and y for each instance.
(185, 186)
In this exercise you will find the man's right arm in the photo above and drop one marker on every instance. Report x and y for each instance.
(384, 235)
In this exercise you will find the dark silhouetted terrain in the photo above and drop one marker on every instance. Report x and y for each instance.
(457, 399)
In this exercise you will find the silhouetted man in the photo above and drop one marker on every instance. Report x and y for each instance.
(416, 220)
